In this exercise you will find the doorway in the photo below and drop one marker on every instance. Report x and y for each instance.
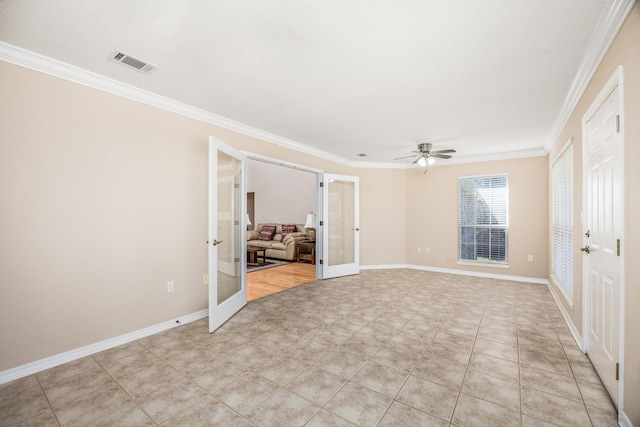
(336, 201)
(282, 193)
(251, 210)
(227, 236)
(603, 235)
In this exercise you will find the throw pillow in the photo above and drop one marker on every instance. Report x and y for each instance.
(267, 232)
(286, 229)
(269, 228)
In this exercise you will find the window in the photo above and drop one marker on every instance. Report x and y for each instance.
(562, 199)
(483, 219)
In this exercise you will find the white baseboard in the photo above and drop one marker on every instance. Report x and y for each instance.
(623, 420)
(574, 331)
(68, 356)
(78, 353)
(460, 272)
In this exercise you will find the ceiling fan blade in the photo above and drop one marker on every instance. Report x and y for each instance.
(444, 151)
(440, 156)
(416, 160)
(405, 157)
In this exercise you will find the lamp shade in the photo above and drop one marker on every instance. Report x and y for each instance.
(248, 220)
(431, 161)
(311, 221)
(422, 161)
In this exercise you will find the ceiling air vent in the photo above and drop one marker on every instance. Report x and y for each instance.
(132, 62)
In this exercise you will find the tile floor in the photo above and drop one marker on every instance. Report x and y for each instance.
(387, 348)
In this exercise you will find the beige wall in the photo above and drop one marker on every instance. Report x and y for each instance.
(104, 200)
(102, 203)
(624, 51)
(383, 229)
(282, 194)
(432, 215)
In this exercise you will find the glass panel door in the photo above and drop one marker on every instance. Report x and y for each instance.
(227, 238)
(341, 226)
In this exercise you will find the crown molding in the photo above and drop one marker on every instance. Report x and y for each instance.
(606, 30)
(510, 155)
(46, 65)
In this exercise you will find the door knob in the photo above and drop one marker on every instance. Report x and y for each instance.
(216, 242)
(588, 233)
(586, 249)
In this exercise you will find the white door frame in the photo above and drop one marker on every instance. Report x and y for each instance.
(303, 168)
(615, 82)
(320, 243)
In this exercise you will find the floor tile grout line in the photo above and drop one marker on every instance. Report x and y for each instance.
(183, 374)
(79, 397)
(133, 400)
(455, 405)
(369, 358)
(546, 392)
(575, 379)
(519, 365)
(461, 292)
(47, 399)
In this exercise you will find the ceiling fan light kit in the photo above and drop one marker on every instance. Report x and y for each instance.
(427, 157)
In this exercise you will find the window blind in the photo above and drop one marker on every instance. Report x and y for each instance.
(562, 199)
(483, 219)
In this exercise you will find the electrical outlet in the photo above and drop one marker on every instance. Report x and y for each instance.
(530, 258)
(205, 279)
(427, 250)
(170, 287)
(419, 249)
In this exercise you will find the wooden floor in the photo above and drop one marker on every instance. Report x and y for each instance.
(262, 283)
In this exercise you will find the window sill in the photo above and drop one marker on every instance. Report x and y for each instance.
(483, 264)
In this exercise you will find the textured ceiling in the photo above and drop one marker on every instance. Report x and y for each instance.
(345, 77)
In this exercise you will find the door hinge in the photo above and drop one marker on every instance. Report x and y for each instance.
(236, 222)
(321, 184)
(617, 371)
(320, 261)
(236, 260)
(236, 185)
(321, 223)
(618, 123)
(618, 245)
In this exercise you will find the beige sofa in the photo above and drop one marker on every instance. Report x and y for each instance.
(278, 247)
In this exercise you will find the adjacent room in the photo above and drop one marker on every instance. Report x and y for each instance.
(279, 196)
(330, 213)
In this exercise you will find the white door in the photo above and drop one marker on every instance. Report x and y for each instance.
(227, 236)
(603, 229)
(340, 225)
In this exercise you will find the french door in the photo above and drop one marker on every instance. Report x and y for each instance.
(603, 182)
(227, 236)
(340, 228)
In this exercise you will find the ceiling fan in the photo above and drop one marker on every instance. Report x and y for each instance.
(427, 157)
